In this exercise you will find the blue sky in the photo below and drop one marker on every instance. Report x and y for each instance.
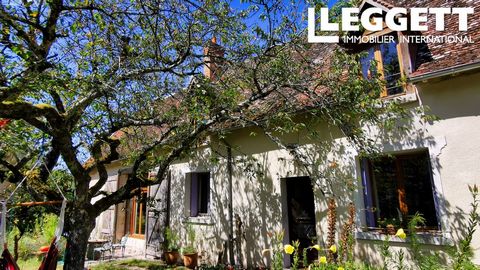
(255, 21)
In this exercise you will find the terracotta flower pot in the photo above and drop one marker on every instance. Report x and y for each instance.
(190, 260)
(171, 257)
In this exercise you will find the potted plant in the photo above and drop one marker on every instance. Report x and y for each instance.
(171, 253)
(389, 225)
(190, 254)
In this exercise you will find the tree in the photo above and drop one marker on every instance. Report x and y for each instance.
(85, 82)
(24, 220)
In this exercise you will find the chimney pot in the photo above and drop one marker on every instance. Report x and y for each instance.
(213, 54)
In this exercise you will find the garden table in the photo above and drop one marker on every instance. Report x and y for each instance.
(91, 245)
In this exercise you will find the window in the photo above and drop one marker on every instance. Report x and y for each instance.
(198, 193)
(138, 213)
(387, 66)
(398, 186)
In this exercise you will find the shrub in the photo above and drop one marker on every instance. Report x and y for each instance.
(41, 235)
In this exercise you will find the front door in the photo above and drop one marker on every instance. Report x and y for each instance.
(301, 213)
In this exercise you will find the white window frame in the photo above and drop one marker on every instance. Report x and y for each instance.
(204, 218)
(434, 146)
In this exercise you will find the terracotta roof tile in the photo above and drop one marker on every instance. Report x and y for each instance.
(385, 3)
(432, 57)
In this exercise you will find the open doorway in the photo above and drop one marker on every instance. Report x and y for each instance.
(301, 214)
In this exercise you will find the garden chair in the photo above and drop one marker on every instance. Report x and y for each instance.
(107, 247)
(121, 245)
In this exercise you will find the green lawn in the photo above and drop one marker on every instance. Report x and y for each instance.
(132, 264)
(32, 264)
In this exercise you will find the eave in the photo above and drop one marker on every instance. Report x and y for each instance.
(450, 71)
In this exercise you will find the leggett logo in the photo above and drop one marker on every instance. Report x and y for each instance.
(396, 19)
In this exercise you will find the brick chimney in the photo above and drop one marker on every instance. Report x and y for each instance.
(213, 54)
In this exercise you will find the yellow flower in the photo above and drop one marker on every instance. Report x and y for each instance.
(340, 268)
(323, 259)
(289, 249)
(317, 247)
(400, 233)
(333, 249)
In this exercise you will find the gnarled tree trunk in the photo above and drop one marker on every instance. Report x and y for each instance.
(78, 226)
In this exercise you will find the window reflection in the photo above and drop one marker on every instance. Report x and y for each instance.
(368, 67)
(387, 64)
(391, 68)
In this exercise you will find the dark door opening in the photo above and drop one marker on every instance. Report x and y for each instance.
(301, 214)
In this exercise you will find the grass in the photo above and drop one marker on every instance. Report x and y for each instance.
(32, 264)
(29, 264)
(132, 264)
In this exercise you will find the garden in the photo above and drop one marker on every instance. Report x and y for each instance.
(28, 243)
(338, 253)
(131, 264)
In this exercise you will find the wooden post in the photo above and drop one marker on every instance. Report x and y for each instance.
(28, 204)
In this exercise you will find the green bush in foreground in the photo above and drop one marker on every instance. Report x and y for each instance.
(459, 256)
(41, 235)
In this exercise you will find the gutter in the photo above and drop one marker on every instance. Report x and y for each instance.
(230, 205)
(446, 72)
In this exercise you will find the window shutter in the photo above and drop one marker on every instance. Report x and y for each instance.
(207, 207)
(367, 194)
(204, 192)
(194, 195)
(186, 197)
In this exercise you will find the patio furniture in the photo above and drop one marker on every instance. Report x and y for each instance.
(93, 244)
(121, 245)
(107, 247)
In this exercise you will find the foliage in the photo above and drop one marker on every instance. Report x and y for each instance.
(22, 220)
(41, 235)
(130, 264)
(212, 267)
(305, 257)
(31, 264)
(190, 244)
(392, 260)
(422, 259)
(347, 239)
(74, 75)
(146, 264)
(87, 83)
(460, 258)
(383, 223)
(172, 239)
(296, 255)
(26, 219)
(331, 228)
(464, 251)
(276, 249)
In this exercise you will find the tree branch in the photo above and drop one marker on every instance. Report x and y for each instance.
(101, 161)
(16, 174)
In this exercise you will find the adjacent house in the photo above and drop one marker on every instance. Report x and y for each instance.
(244, 187)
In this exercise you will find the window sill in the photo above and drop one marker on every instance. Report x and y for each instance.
(427, 238)
(200, 220)
(402, 98)
(137, 236)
